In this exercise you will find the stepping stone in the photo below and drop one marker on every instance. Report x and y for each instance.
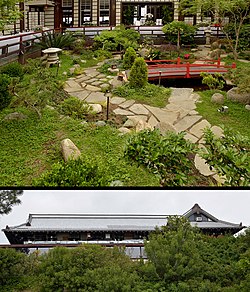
(218, 132)
(73, 85)
(127, 103)
(138, 109)
(180, 94)
(82, 95)
(182, 113)
(72, 89)
(187, 122)
(202, 166)
(190, 137)
(91, 80)
(91, 72)
(115, 82)
(100, 76)
(104, 85)
(83, 78)
(220, 179)
(152, 121)
(194, 96)
(97, 97)
(165, 127)
(193, 112)
(122, 112)
(104, 79)
(133, 120)
(163, 115)
(197, 129)
(172, 107)
(83, 84)
(117, 100)
(186, 104)
(92, 88)
(96, 83)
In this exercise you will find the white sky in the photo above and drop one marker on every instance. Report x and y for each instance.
(228, 205)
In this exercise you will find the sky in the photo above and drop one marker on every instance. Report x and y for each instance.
(227, 205)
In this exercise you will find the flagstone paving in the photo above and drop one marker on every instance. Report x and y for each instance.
(178, 115)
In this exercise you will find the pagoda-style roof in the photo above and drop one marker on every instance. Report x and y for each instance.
(116, 223)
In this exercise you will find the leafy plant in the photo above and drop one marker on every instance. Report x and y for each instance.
(74, 107)
(214, 81)
(241, 77)
(230, 156)
(139, 73)
(78, 45)
(129, 58)
(5, 96)
(75, 173)
(56, 40)
(102, 54)
(13, 70)
(165, 156)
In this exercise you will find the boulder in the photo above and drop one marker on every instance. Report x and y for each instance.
(215, 54)
(234, 95)
(69, 150)
(217, 98)
(100, 124)
(96, 108)
(15, 117)
(247, 107)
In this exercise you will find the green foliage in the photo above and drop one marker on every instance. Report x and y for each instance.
(87, 268)
(9, 198)
(75, 107)
(149, 94)
(179, 32)
(75, 173)
(102, 54)
(78, 45)
(129, 58)
(117, 39)
(5, 97)
(13, 70)
(229, 156)
(214, 81)
(244, 36)
(166, 156)
(174, 252)
(9, 12)
(241, 78)
(56, 40)
(138, 76)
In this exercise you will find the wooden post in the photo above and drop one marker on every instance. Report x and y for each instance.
(218, 63)
(188, 70)
(178, 61)
(107, 107)
(159, 77)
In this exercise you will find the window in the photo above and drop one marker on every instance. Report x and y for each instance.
(85, 11)
(67, 13)
(104, 12)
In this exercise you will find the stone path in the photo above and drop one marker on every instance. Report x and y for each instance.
(178, 115)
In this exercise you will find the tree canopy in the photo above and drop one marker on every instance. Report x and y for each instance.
(9, 12)
(9, 198)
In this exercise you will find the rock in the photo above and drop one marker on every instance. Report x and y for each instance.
(201, 165)
(83, 61)
(187, 122)
(194, 50)
(115, 82)
(191, 138)
(69, 150)
(82, 95)
(116, 183)
(215, 45)
(117, 100)
(234, 95)
(215, 54)
(142, 125)
(217, 98)
(218, 132)
(65, 73)
(96, 108)
(138, 109)
(100, 123)
(247, 107)
(197, 129)
(152, 121)
(15, 117)
(143, 52)
(165, 127)
(127, 103)
(97, 97)
(119, 111)
(124, 130)
(92, 88)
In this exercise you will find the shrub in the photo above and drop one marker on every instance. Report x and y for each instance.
(56, 40)
(139, 73)
(13, 70)
(129, 58)
(102, 54)
(5, 97)
(83, 172)
(78, 45)
(164, 156)
(212, 81)
(74, 107)
(230, 156)
(241, 77)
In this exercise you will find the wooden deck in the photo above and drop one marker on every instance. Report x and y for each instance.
(164, 69)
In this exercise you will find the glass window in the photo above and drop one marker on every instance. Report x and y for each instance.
(85, 11)
(104, 12)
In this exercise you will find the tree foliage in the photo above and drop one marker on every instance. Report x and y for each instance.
(9, 12)
(138, 76)
(129, 58)
(9, 198)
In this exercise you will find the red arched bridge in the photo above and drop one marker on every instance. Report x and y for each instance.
(163, 69)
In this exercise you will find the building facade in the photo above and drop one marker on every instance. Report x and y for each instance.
(48, 230)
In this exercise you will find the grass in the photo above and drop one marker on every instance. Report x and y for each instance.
(237, 118)
(151, 94)
(30, 147)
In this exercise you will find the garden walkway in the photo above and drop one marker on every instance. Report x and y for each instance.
(178, 115)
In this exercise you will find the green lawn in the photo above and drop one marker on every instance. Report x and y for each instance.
(30, 147)
(237, 118)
